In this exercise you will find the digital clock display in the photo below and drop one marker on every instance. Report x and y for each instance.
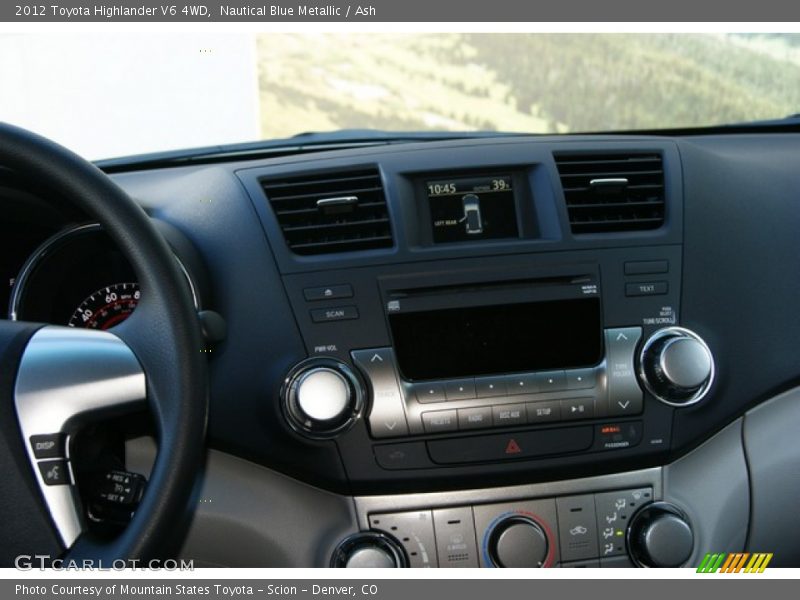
(472, 208)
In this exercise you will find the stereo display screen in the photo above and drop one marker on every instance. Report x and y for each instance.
(472, 208)
(487, 340)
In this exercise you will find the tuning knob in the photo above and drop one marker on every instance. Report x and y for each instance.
(659, 535)
(322, 397)
(676, 366)
(369, 549)
(518, 541)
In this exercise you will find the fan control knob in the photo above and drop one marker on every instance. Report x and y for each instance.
(518, 541)
(660, 535)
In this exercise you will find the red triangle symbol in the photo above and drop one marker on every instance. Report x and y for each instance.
(513, 447)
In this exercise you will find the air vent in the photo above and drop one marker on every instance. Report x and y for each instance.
(331, 212)
(612, 192)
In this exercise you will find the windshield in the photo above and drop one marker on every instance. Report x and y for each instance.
(108, 95)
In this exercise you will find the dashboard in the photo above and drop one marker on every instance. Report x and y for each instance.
(507, 352)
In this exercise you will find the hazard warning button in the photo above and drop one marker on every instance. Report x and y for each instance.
(510, 446)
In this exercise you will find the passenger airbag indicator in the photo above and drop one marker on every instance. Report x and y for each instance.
(472, 208)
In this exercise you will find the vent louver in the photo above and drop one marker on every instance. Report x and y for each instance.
(331, 212)
(612, 192)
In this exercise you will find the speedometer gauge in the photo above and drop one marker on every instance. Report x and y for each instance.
(106, 307)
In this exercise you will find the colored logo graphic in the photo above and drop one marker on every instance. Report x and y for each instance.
(735, 562)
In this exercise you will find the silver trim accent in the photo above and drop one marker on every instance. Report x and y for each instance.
(366, 505)
(659, 335)
(609, 182)
(65, 374)
(337, 201)
(48, 246)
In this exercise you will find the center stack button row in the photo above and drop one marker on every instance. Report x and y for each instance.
(504, 385)
(507, 415)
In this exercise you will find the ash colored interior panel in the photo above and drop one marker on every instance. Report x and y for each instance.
(711, 485)
(773, 453)
(249, 516)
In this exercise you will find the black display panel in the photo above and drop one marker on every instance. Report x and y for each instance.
(472, 208)
(488, 340)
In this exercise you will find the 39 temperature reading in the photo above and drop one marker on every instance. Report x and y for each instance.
(472, 208)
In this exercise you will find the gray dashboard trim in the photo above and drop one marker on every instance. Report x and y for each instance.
(247, 515)
(397, 503)
(773, 452)
(711, 485)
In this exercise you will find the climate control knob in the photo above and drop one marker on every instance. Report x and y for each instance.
(676, 366)
(322, 397)
(659, 535)
(518, 542)
(369, 550)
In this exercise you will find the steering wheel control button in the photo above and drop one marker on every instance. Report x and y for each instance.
(518, 542)
(439, 421)
(614, 511)
(338, 313)
(625, 397)
(50, 445)
(387, 417)
(577, 527)
(455, 537)
(676, 366)
(322, 397)
(121, 487)
(659, 535)
(369, 550)
(54, 472)
(330, 292)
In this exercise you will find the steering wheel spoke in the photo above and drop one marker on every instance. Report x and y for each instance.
(66, 377)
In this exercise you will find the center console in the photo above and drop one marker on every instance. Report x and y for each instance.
(498, 370)
(498, 331)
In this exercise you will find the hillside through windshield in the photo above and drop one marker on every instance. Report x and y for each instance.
(152, 92)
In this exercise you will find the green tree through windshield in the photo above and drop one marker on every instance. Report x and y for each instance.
(524, 82)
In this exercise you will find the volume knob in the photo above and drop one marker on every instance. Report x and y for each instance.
(676, 366)
(322, 397)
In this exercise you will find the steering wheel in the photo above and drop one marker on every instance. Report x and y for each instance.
(53, 379)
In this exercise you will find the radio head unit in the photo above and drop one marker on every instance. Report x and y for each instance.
(499, 349)
(525, 335)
